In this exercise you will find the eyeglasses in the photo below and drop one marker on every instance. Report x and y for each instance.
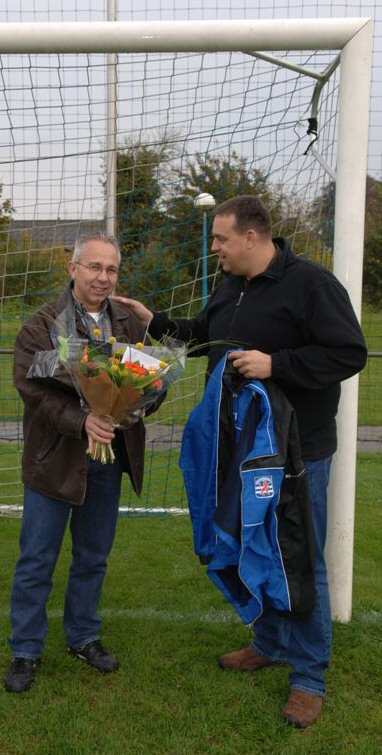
(95, 268)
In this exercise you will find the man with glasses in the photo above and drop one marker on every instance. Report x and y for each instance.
(61, 482)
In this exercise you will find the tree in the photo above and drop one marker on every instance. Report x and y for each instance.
(5, 217)
(140, 168)
(158, 228)
(142, 174)
(6, 211)
(152, 276)
(321, 217)
(33, 274)
(220, 175)
(322, 214)
(161, 231)
(372, 271)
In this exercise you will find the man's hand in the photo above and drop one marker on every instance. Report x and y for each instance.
(139, 310)
(252, 364)
(98, 429)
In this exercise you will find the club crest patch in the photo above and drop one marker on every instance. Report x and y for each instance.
(264, 487)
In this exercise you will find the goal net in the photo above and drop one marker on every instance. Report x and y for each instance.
(124, 141)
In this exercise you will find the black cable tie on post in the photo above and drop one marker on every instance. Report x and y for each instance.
(313, 129)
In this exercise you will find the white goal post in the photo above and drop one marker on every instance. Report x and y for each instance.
(353, 37)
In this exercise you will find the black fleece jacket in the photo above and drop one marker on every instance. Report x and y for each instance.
(298, 312)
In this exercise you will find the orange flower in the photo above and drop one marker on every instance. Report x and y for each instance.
(137, 368)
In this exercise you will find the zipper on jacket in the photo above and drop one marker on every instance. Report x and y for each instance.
(239, 299)
(234, 412)
(237, 305)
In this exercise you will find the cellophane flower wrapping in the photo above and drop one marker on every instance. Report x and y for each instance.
(117, 380)
(114, 379)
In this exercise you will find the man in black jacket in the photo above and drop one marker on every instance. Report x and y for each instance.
(294, 323)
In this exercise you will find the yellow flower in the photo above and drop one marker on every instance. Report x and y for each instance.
(112, 339)
(152, 370)
(96, 332)
(162, 364)
(139, 345)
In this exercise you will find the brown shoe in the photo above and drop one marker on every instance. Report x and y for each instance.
(302, 709)
(246, 659)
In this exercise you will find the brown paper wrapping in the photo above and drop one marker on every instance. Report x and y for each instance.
(106, 398)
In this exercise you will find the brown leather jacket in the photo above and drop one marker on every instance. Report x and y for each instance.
(54, 460)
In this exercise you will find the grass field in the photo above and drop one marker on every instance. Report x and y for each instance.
(370, 394)
(167, 623)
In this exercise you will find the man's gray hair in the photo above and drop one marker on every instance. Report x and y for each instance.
(85, 238)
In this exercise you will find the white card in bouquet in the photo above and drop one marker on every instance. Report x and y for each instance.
(136, 355)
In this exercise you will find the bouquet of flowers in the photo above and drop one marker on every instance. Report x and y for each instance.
(119, 380)
(113, 379)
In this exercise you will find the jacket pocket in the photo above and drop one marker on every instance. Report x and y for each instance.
(47, 448)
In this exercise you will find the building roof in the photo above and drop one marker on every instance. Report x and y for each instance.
(53, 233)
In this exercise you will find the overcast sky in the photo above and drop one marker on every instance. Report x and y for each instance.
(139, 10)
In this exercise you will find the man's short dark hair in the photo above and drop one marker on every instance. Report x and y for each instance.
(249, 212)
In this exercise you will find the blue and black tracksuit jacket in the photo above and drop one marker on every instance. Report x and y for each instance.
(248, 495)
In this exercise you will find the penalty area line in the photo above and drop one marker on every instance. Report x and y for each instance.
(124, 511)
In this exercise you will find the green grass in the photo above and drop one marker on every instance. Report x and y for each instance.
(372, 328)
(370, 394)
(167, 623)
(185, 394)
(11, 489)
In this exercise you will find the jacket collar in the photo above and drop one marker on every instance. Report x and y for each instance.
(277, 267)
(115, 311)
(67, 320)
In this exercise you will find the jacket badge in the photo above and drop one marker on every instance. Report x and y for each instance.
(264, 487)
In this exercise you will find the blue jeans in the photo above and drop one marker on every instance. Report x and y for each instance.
(305, 644)
(92, 527)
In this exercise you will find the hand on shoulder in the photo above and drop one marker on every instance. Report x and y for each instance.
(143, 314)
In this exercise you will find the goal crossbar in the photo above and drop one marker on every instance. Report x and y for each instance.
(179, 36)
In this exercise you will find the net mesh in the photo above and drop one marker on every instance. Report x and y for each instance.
(221, 123)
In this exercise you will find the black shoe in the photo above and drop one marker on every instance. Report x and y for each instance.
(96, 655)
(20, 675)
